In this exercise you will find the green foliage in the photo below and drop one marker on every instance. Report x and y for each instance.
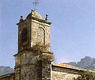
(43, 52)
(39, 47)
(86, 75)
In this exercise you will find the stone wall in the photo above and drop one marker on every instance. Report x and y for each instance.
(29, 66)
(63, 73)
(25, 67)
(56, 75)
(40, 33)
(37, 31)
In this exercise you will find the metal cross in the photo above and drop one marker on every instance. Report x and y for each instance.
(35, 3)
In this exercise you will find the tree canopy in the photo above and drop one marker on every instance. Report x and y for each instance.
(86, 75)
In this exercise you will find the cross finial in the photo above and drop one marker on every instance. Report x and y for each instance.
(35, 3)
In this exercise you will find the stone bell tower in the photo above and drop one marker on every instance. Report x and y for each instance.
(29, 64)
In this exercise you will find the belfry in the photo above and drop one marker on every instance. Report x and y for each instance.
(33, 34)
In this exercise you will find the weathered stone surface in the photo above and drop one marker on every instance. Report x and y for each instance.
(64, 73)
(56, 75)
(37, 31)
(31, 31)
(28, 67)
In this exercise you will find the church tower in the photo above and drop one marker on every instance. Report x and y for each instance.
(33, 30)
(32, 63)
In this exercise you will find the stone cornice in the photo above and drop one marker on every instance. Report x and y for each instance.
(31, 50)
(37, 19)
(41, 20)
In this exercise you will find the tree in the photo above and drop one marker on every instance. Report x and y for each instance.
(41, 51)
(86, 75)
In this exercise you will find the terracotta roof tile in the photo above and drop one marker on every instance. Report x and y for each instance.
(72, 67)
(67, 66)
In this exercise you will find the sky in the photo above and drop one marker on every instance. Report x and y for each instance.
(72, 29)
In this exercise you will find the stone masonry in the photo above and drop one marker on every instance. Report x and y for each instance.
(31, 31)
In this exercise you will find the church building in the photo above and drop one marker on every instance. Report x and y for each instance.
(34, 58)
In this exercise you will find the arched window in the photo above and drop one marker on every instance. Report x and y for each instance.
(41, 35)
(24, 35)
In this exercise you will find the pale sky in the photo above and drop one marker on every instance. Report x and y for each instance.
(72, 29)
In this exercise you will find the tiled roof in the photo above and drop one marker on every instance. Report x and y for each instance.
(64, 65)
(68, 66)
(6, 75)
